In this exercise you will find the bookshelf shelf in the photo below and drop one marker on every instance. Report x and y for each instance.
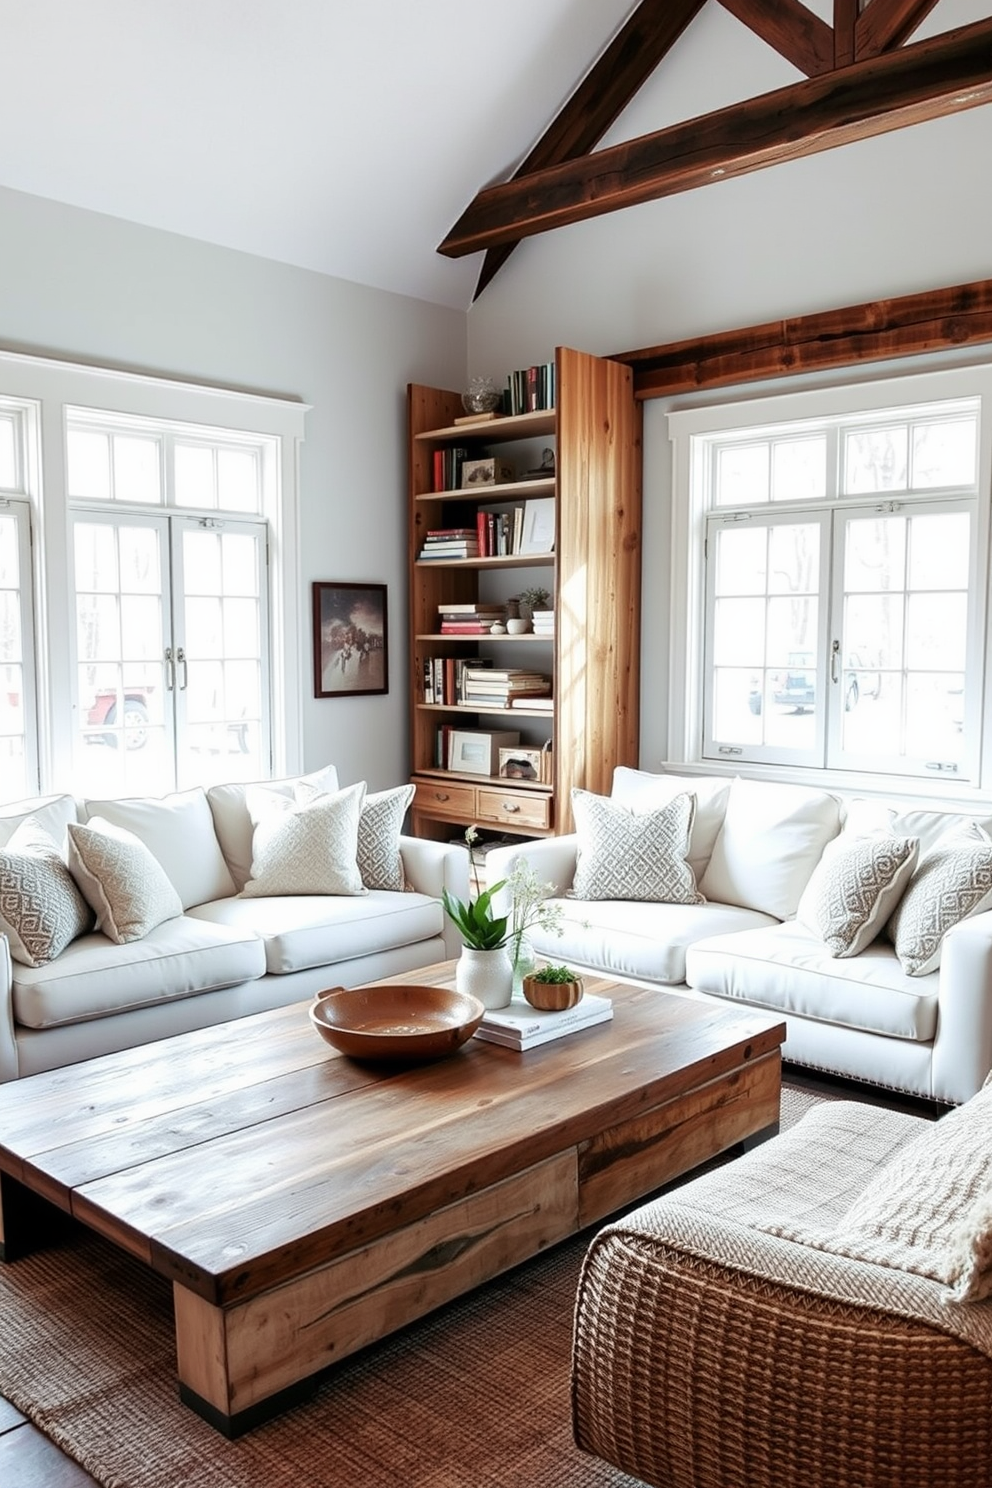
(593, 724)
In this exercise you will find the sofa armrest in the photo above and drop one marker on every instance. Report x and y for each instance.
(552, 859)
(432, 866)
(8, 1047)
(962, 1049)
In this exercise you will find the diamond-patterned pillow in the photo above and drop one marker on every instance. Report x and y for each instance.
(624, 854)
(853, 889)
(41, 909)
(379, 827)
(126, 885)
(304, 847)
(952, 882)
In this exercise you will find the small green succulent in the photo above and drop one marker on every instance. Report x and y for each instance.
(556, 974)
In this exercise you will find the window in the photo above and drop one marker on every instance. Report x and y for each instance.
(837, 546)
(164, 518)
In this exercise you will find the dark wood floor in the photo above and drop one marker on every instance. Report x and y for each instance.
(29, 1460)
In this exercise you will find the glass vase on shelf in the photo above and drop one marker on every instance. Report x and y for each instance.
(524, 961)
(529, 908)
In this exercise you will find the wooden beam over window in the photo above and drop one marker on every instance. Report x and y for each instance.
(644, 39)
(791, 28)
(911, 325)
(927, 80)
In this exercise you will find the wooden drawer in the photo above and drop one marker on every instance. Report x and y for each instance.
(439, 798)
(513, 808)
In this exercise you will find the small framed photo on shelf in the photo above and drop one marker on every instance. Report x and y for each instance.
(476, 752)
(525, 764)
(349, 640)
(538, 534)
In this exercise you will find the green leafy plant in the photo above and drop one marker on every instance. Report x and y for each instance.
(555, 974)
(536, 598)
(479, 927)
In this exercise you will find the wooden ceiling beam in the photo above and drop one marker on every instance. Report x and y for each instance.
(927, 80)
(644, 39)
(884, 24)
(791, 28)
(907, 326)
(845, 20)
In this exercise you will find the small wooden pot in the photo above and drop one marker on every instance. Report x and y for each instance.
(552, 997)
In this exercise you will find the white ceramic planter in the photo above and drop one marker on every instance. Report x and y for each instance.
(486, 975)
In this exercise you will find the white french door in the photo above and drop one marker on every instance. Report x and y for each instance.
(171, 652)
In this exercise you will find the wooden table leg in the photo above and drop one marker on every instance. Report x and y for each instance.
(27, 1221)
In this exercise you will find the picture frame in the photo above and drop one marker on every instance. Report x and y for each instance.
(476, 751)
(538, 535)
(350, 653)
(526, 763)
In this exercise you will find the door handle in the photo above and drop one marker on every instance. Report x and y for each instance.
(181, 660)
(170, 670)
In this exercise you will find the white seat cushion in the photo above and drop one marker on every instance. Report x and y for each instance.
(94, 977)
(788, 969)
(644, 941)
(304, 930)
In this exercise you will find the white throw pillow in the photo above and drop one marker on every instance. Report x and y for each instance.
(233, 824)
(178, 831)
(854, 888)
(379, 828)
(129, 890)
(41, 909)
(640, 855)
(772, 838)
(642, 791)
(952, 883)
(304, 847)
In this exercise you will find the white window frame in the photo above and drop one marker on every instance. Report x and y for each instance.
(687, 606)
(45, 388)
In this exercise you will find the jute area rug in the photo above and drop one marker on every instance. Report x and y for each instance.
(474, 1396)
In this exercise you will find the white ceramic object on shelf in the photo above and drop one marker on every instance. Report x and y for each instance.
(497, 628)
(517, 627)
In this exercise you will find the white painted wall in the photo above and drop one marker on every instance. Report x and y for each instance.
(83, 286)
(905, 212)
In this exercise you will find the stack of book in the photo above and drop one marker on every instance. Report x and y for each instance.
(451, 542)
(448, 467)
(541, 704)
(543, 622)
(499, 687)
(469, 619)
(521, 1026)
(530, 388)
(444, 677)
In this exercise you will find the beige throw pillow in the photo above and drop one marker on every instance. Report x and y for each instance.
(379, 828)
(952, 883)
(126, 886)
(853, 890)
(640, 855)
(307, 846)
(41, 909)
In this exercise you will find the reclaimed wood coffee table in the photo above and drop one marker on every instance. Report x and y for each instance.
(304, 1205)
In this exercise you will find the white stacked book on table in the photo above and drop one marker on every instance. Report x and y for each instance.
(521, 1026)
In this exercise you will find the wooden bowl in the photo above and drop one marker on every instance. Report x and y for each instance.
(405, 1024)
(552, 997)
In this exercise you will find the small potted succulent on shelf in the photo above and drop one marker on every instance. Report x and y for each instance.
(553, 988)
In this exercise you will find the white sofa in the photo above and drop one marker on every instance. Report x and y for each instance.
(754, 847)
(221, 954)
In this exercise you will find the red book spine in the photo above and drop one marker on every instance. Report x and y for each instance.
(481, 529)
(439, 470)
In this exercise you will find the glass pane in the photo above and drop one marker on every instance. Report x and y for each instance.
(10, 625)
(734, 716)
(95, 549)
(799, 469)
(194, 475)
(202, 566)
(241, 636)
(945, 454)
(88, 458)
(13, 768)
(938, 553)
(741, 474)
(741, 560)
(10, 570)
(8, 455)
(739, 632)
(204, 627)
(794, 559)
(875, 554)
(935, 631)
(139, 560)
(935, 717)
(136, 469)
(876, 460)
(237, 480)
(239, 554)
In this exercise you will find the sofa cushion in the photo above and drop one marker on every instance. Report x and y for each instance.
(641, 855)
(788, 969)
(178, 831)
(300, 931)
(379, 828)
(126, 886)
(234, 826)
(646, 942)
(304, 846)
(772, 838)
(641, 791)
(93, 977)
(953, 882)
(52, 813)
(854, 888)
(41, 908)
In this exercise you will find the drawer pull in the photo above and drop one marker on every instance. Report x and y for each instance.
(441, 795)
(510, 806)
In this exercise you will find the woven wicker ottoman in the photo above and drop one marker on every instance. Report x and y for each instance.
(710, 1353)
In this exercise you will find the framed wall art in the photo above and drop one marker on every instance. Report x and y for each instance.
(349, 640)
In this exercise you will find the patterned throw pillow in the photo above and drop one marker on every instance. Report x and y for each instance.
(127, 887)
(952, 882)
(853, 889)
(623, 854)
(41, 909)
(379, 827)
(304, 847)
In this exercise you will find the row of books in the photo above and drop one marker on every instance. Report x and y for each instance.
(521, 1026)
(499, 534)
(444, 678)
(530, 388)
(448, 462)
(501, 687)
